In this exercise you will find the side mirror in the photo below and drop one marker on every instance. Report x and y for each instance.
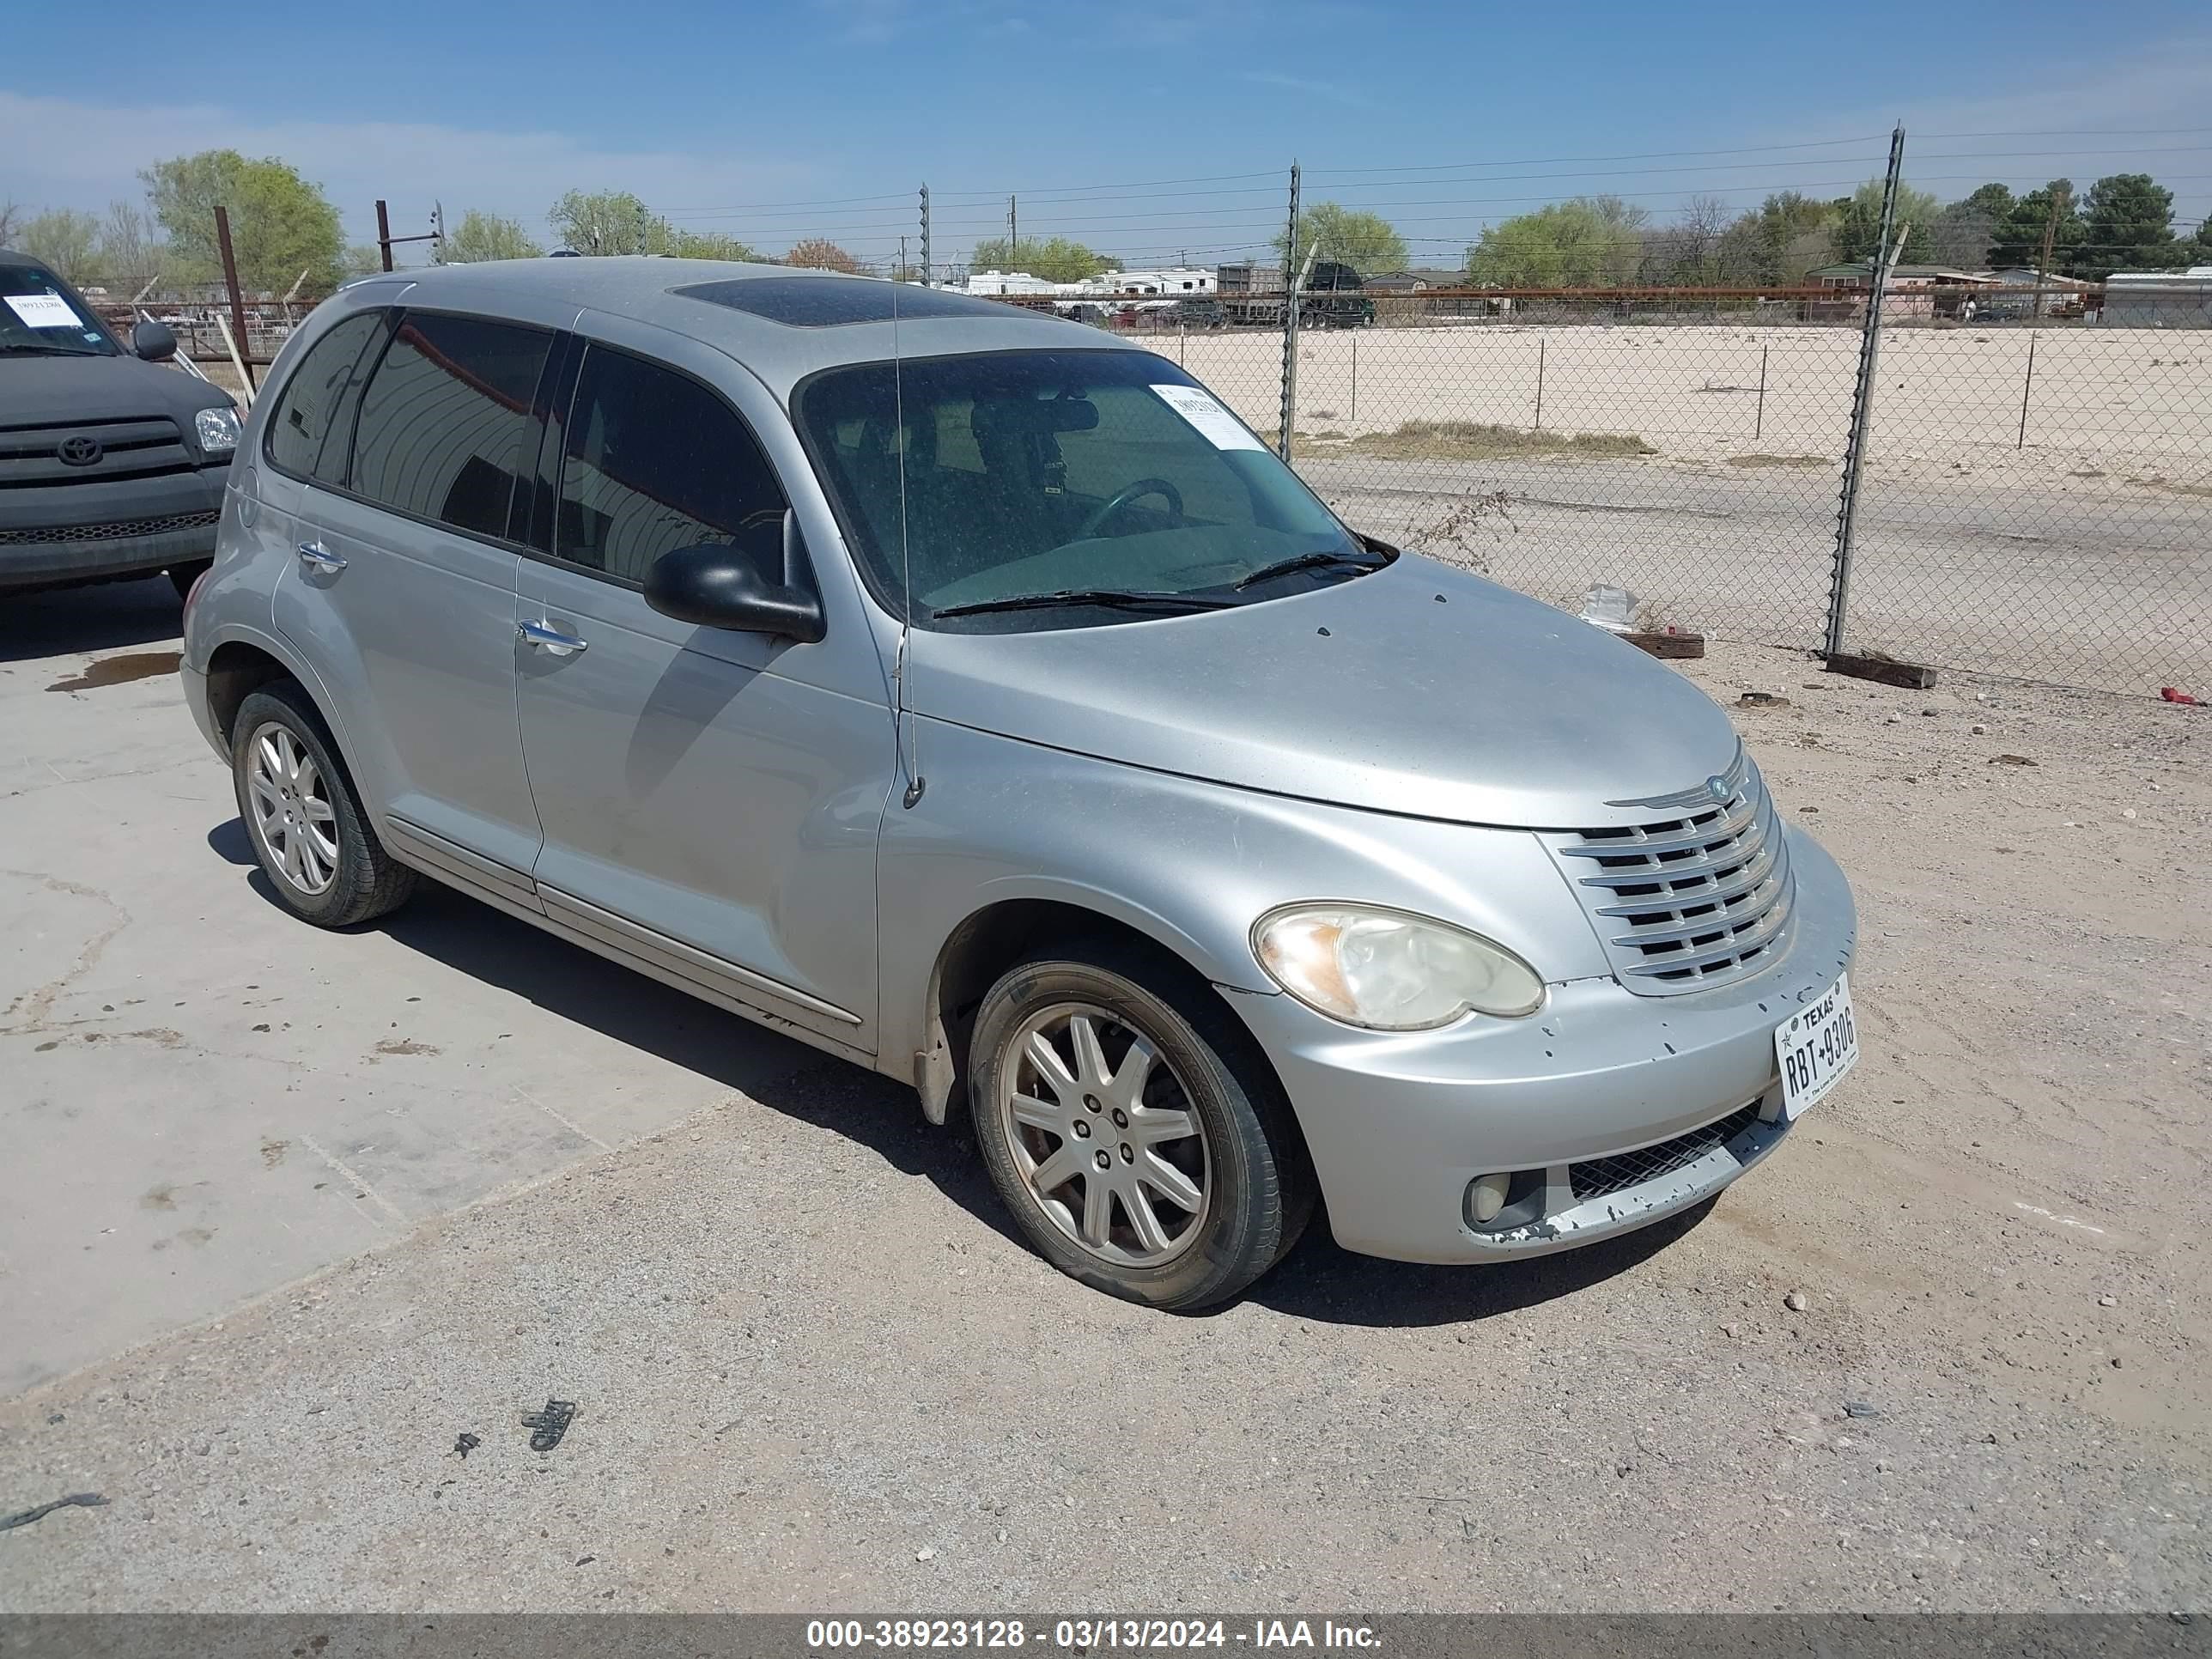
(153, 342)
(718, 586)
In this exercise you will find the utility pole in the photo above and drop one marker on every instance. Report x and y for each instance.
(899, 275)
(2059, 202)
(1013, 236)
(438, 231)
(926, 280)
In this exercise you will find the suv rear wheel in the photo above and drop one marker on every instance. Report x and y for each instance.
(306, 821)
(1139, 1144)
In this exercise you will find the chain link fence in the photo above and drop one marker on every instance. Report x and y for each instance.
(2035, 492)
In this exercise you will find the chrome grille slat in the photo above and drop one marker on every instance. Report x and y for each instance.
(1722, 889)
(1699, 894)
(1753, 937)
(1708, 923)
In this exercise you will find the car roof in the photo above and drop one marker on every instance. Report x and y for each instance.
(653, 290)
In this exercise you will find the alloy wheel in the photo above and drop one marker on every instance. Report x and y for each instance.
(292, 818)
(1104, 1135)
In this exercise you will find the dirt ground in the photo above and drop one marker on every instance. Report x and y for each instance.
(1946, 1349)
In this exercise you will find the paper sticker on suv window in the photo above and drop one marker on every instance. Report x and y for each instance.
(1216, 424)
(43, 310)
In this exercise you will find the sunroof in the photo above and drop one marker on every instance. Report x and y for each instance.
(826, 301)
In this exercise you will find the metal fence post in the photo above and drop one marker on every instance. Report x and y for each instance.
(237, 303)
(1539, 384)
(1354, 415)
(2027, 386)
(1847, 511)
(1758, 421)
(1290, 324)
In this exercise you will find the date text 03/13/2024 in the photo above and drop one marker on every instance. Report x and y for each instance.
(1085, 1636)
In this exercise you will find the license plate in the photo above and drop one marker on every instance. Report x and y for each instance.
(1815, 1047)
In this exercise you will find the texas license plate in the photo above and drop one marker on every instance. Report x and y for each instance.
(1815, 1047)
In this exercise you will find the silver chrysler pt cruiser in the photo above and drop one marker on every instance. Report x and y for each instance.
(971, 694)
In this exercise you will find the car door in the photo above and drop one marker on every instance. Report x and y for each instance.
(405, 593)
(709, 800)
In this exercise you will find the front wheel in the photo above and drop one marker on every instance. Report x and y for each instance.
(1126, 1122)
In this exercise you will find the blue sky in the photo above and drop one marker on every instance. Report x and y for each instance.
(774, 121)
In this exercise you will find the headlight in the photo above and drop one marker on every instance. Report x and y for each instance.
(216, 430)
(1390, 971)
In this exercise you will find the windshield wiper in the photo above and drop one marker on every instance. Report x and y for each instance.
(1108, 597)
(47, 347)
(1311, 562)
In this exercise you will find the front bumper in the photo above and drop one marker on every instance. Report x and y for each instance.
(1677, 1095)
(55, 536)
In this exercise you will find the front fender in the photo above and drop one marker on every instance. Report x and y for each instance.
(1188, 863)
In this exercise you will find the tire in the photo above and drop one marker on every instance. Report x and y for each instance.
(304, 817)
(1242, 1161)
(182, 576)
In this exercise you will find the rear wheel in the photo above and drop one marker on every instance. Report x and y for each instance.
(306, 821)
(1140, 1144)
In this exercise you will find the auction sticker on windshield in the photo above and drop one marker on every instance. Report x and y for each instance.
(43, 310)
(1816, 1047)
(1215, 424)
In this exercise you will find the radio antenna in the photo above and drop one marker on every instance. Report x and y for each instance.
(907, 734)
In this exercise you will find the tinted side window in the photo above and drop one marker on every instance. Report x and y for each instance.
(444, 421)
(314, 397)
(652, 461)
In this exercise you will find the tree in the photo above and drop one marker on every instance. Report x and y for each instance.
(2128, 224)
(1688, 253)
(361, 259)
(820, 253)
(606, 222)
(612, 221)
(1777, 242)
(131, 251)
(1592, 241)
(1964, 231)
(710, 245)
(1367, 242)
(2049, 212)
(1055, 260)
(281, 225)
(11, 221)
(1858, 224)
(481, 236)
(65, 239)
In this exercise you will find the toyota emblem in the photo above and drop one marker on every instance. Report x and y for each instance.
(1718, 789)
(81, 451)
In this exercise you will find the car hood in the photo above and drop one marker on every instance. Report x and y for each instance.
(1418, 690)
(60, 390)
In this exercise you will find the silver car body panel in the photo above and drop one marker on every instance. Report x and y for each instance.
(724, 811)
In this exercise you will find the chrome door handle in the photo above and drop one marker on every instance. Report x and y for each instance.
(544, 636)
(316, 557)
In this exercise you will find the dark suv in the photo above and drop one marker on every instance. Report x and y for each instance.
(111, 464)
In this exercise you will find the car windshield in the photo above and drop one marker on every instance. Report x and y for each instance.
(38, 317)
(1061, 488)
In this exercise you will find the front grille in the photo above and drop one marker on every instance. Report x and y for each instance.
(1699, 895)
(123, 529)
(1600, 1176)
(30, 456)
